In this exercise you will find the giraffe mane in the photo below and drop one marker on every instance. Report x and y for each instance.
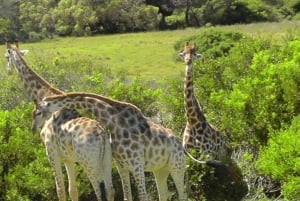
(42, 80)
(92, 95)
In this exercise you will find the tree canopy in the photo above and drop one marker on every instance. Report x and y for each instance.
(37, 19)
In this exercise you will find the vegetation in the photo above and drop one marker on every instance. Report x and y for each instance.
(38, 19)
(248, 85)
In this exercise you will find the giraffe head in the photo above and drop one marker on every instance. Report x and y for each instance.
(43, 110)
(40, 114)
(13, 55)
(189, 53)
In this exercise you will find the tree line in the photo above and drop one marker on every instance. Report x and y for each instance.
(38, 19)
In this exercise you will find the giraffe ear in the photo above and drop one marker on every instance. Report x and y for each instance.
(23, 52)
(181, 55)
(199, 56)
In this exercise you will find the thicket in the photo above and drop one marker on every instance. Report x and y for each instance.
(249, 89)
(37, 19)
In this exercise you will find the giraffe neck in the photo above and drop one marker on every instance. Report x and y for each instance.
(36, 87)
(194, 112)
(107, 111)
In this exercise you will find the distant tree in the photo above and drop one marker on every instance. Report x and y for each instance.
(165, 8)
(9, 20)
(128, 15)
(75, 17)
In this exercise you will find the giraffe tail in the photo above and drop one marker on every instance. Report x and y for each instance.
(211, 163)
(191, 157)
(216, 164)
(103, 192)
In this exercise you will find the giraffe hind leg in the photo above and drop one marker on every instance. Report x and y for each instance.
(161, 177)
(124, 174)
(55, 163)
(139, 176)
(177, 171)
(73, 191)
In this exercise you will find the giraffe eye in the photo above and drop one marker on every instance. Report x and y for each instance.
(38, 113)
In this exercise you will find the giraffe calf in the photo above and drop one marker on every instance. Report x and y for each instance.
(80, 140)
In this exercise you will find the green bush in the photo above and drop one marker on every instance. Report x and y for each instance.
(24, 168)
(280, 159)
(213, 43)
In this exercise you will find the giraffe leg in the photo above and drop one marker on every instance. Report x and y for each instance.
(107, 169)
(73, 191)
(124, 174)
(178, 178)
(58, 174)
(177, 171)
(95, 172)
(161, 177)
(96, 178)
(139, 176)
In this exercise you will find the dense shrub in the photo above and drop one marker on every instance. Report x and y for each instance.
(24, 169)
(280, 159)
(212, 43)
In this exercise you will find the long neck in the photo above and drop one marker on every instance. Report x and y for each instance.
(193, 109)
(36, 87)
(107, 111)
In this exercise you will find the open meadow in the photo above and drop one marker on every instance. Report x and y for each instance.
(150, 55)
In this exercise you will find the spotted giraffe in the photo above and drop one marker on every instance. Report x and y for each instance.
(62, 124)
(199, 133)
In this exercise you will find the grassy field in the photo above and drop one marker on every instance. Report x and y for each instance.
(150, 55)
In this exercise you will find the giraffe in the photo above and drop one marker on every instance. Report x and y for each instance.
(138, 144)
(79, 140)
(57, 126)
(198, 133)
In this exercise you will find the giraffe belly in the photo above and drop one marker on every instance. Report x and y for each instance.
(152, 165)
(155, 158)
